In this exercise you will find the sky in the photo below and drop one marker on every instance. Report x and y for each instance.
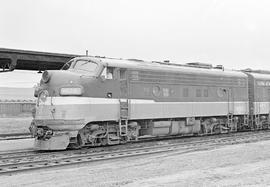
(234, 33)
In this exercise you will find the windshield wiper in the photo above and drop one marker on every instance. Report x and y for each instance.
(84, 63)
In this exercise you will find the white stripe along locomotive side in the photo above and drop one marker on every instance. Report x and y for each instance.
(81, 107)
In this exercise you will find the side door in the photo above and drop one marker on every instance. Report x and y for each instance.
(230, 100)
(124, 86)
(268, 100)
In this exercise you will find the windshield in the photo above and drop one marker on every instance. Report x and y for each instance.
(85, 66)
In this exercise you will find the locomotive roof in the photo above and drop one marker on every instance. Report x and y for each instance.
(147, 65)
(260, 76)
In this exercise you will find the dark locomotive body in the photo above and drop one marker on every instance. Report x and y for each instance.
(100, 101)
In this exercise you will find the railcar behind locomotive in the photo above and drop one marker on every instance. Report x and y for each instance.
(259, 97)
(102, 101)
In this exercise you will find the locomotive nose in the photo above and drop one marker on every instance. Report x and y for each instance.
(60, 77)
(58, 83)
(57, 78)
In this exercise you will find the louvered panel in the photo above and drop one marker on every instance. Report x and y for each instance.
(155, 77)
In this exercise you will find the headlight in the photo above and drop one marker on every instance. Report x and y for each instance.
(43, 95)
(71, 91)
(45, 76)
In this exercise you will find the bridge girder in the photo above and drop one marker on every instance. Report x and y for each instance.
(11, 59)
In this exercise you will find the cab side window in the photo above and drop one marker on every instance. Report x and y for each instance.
(108, 73)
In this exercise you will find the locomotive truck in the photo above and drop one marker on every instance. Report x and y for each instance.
(95, 101)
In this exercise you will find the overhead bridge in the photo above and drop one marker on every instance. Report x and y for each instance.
(11, 59)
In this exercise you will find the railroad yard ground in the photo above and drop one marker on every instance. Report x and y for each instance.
(246, 164)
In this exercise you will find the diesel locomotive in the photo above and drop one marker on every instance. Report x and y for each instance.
(95, 101)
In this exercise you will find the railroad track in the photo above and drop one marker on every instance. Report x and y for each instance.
(14, 136)
(26, 161)
(155, 140)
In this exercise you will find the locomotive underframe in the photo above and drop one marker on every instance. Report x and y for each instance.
(107, 133)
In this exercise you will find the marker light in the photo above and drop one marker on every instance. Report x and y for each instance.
(71, 91)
